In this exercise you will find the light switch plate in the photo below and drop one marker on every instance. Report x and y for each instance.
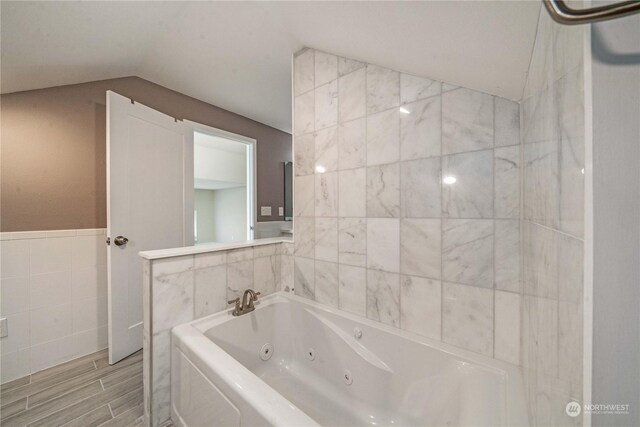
(280, 211)
(265, 210)
(4, 328)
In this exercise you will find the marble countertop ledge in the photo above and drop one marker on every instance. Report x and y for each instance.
(211, 247)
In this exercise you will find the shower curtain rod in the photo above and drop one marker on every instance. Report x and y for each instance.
(563, 14)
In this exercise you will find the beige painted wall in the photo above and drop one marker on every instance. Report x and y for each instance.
(53, 165)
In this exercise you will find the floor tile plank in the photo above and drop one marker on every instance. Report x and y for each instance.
(15, 383)
(67, 366)
(126, 402)
(119, 375)
(81, 393)
(9, 409)
(46, 382)
(52, 406)
(80, 380)
(92, 419)
(126, 419)
(91, 402)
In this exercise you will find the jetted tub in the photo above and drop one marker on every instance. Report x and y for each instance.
(293, 362)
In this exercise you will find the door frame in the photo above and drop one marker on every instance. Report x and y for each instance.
(252, 196)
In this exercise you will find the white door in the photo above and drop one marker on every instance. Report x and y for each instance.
(149, 203)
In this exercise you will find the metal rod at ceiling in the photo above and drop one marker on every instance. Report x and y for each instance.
(563, 14)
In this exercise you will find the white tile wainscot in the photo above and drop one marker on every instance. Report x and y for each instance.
(184, 284)
(54, 296)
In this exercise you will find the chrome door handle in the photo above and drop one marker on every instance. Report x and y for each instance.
(120, 241)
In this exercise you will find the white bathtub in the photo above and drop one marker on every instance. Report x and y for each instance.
(396, 378)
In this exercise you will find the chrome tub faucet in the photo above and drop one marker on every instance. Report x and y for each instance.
(249, 297)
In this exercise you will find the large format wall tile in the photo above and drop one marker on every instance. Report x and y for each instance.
(507, 327)
(352, 96)
(382, 190)
(326, 105)
(420, 188)
(383, 89)
(572, 152)
(467, 121)
(420, 129)
(352, 241)
(471, 195)
(304, 277)
(467, 317)
(383, 137)
(467, 251)
(553, 129)
(304, 72)
(420, 247)
(507, 122)
(347, 65)
(173, 281)
(383, 297)
(353, 289)
(326, 239)
(239, 278)
(326, 68)
(326, 283)
(540, 253)
(326, 149)
(304, 113)
(352, 192)
(541, 183)
(305, 232)
(304, 196)
(304, 154)
(210, 293)
(414, 88)
(352, 144)
(507, 255)
(506, 165)
(383, 244)
(266, 274)
(326, 194)
(420, 300)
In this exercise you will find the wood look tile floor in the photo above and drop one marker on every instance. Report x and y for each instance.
(81, 393)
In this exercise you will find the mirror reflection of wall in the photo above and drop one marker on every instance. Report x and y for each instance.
(223, 189)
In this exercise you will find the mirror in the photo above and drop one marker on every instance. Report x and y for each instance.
(288, 191)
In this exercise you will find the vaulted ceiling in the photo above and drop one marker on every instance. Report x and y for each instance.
(237, 55)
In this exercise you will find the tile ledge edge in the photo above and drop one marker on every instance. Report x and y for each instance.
(210, 247)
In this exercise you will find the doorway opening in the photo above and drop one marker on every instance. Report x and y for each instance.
(224, 186)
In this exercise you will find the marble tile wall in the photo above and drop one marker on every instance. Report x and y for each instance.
(54, 296)
(552, 129)
(180, 289)
(407, 202)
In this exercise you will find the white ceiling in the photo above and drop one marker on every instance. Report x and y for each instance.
(237, 55)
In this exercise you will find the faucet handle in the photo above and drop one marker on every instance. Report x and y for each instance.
(234, 301)
(255, 294)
